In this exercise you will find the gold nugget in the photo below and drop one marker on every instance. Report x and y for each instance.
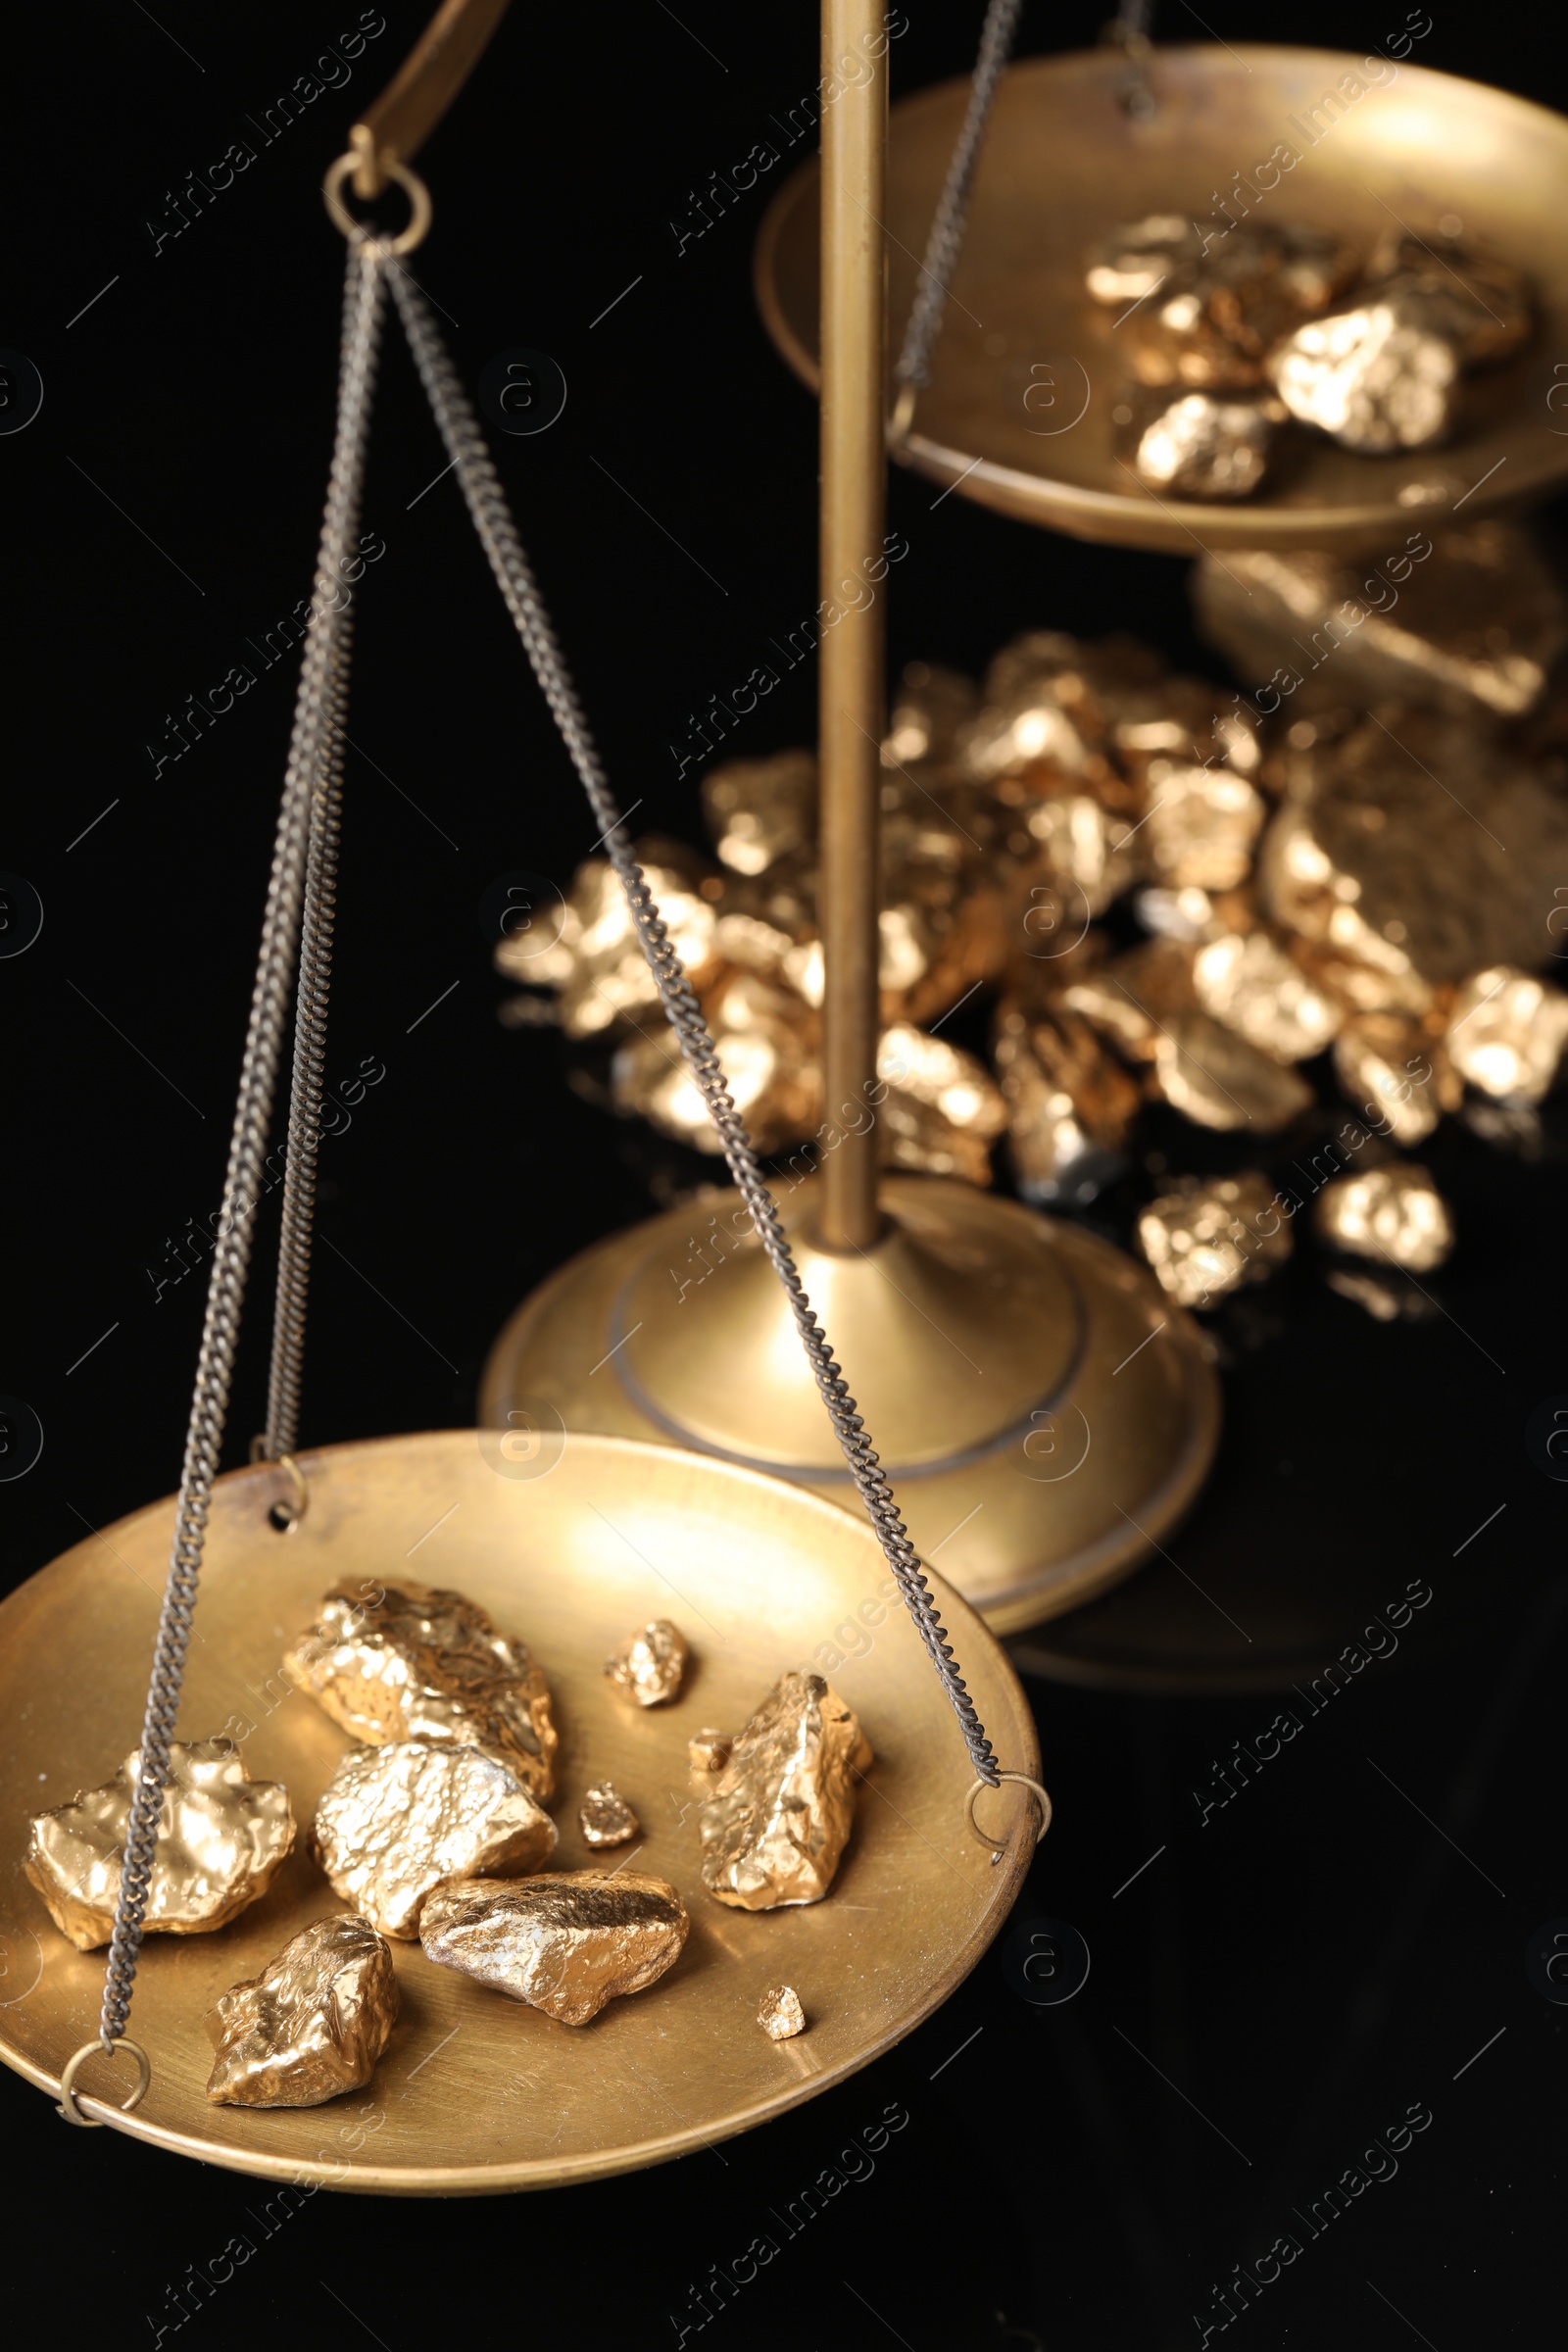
(1396, 1073)
(1377, 376)
(393, 1822)
(604, 1818)
(221, 1836)
(1254, 987)
(311, 2024)
(1209, 1237)
(781, 1817)
(1395, 1214)
(758, 811)
(942, 1110)
(1069, 1106)
(1206, 444)
(567, 1943)
(780, 2014)
(1218, 1079)
(709, 1750)
(1508, 1034)
(650, 1663)
(419, 1663)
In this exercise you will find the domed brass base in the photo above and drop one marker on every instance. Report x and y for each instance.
(1045, 1413)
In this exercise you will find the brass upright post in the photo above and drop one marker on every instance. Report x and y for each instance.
(851, 690)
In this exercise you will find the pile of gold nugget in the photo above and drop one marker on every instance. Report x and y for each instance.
(1232, 335)
(434, 1830)
(1350, 879)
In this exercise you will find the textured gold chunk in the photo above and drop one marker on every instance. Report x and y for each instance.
(1218, 1079)
(1209, 1237)
(1206, 444)
(1069, 1104)
(780, 2014)
(650, 1663)
(942, 1110)
(1416, 842)
(768, 1043)
(1211, 314)
(311, 2024)
(421, 1663)
(758, 811)
(567, 1942)
(1396, 1074)
(221, 1836)
(604, 1818)
(775, 1827)
(1480, 303)
(1254, 987)
(597, 962)
(1379, 374)
(1202, 826)
(1395, 1214)
(1507, 1033)
(708, 1750)
(393, 1822)
(1470, 619)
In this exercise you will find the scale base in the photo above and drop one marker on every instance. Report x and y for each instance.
(1044, 1411)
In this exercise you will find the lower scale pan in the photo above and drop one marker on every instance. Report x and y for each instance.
(1027, 371)
(569, 1546)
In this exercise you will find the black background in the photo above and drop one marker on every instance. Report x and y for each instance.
(1304, 1967)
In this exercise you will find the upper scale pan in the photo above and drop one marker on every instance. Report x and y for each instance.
(1063, 163)
(569, 1546)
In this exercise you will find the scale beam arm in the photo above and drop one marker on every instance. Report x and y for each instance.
(395, 128)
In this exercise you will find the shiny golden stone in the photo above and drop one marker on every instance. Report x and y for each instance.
(768, 1045)
(1480, 304)
(1137, 259)
(1413, 842)
(650, 1663)
(1218, 1079)
(597, 962)
(1210, 318)
(604, 1818)
(311, 2024)
(1071, 1105)
(780, 2014)
(1202, 826)
(1377, 376)
(1254, 987)
(567, 1943)
(1508, 1034)
(393, 1822)
(1206, 444)
(1134, 999)
(1085, 851)
(942, 1110)
(221, 1836)
(1395, 1214)
(758, 811)
(1469, 619)
(1210, 1236)
(775, 1827)
(409, 1661)
(930, 706)
(708, 1750)
(1398, 1075)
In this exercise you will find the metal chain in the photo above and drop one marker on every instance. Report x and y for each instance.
(498, 535)
(310, 761)
(913, 369)
(310, 1063)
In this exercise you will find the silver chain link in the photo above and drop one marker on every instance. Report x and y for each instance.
(492, 518)
(309, 773)
(913, 367)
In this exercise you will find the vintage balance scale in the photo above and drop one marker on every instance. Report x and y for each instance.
(572, 1540)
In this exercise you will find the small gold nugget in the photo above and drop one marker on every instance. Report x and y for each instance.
(780, 2015)
(650, 1663)
(1217, 1078)
(1206, 444)
(221, 1836)
(1508, 1034)
(1205, 1239)
(419, 1663)
(311, 2024)
(393, 1822)
(567, 1942)
(709, 1750)
(774, 1830)
(1394, 1213)
(605, 1818)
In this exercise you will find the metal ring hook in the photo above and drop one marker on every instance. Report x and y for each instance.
(412, 186)
(69, 2109)
(1041, 1807)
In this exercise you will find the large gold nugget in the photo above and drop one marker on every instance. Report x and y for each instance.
(567, 1943)
(311, 2024)
(1206, 444)
(394, 1822)
(427, 1664)
(1217, 1078)
(1209, 1237)
(781, 1816)
(1508, 1034)
(1395, 1214)
(221, 1836)
(1378, 375)
(1249, 983)
(649, 1664)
